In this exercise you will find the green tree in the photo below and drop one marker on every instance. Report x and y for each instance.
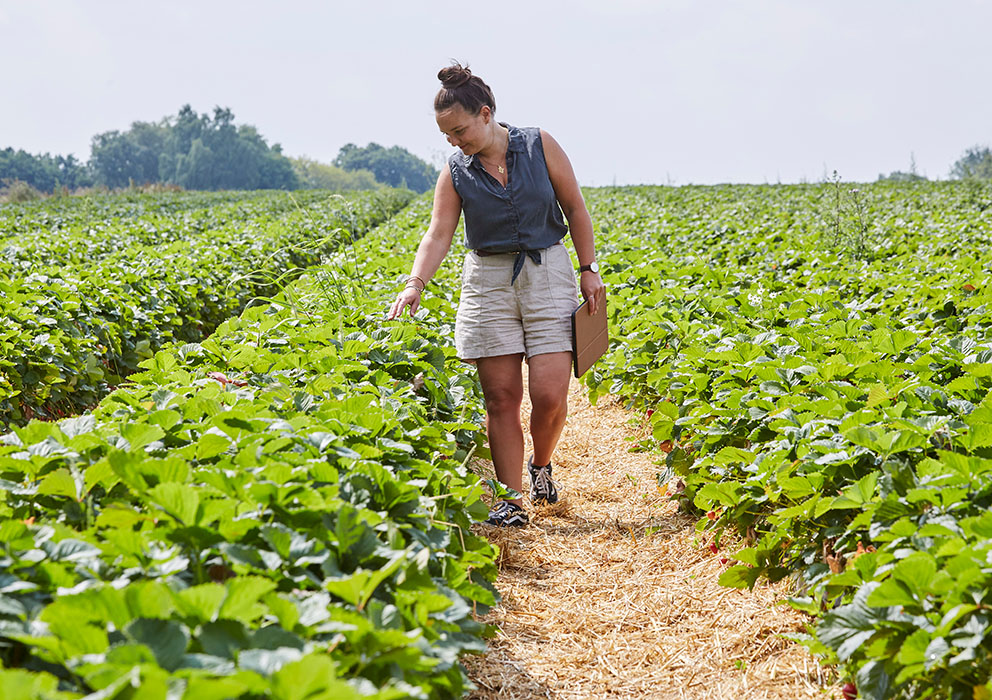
(43, 172)
(393, 166)
(976, 163)
(197, 152)
(119, 158)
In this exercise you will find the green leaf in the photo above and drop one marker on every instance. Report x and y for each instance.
(267, 661)
(286, 611)
(846, 628)
(224, 638)
(890, 593)
(857, 495)
(149, 599)
(916, 571)
(733, 455)
(210, 445)
(873, 681)
(877, 395)
(913, 650)
(138, 435)
(976, 437)
(962, 386)
(179, 501)
(202, 688)
(167, 639)
(201, 602)
(16, 684)
(936, 651)
(77, 635)
(740, 577)
(358, 587)
(60, 482)
(71, 550)
(243, 594)
(313, 676)
(102, 474)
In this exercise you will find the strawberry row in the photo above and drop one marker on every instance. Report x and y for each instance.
(816, 365)
(282, 510)
(63, 231)
(73, 330)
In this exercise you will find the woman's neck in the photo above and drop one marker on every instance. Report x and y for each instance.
(498, 144)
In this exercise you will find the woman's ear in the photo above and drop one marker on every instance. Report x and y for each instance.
(485, 113)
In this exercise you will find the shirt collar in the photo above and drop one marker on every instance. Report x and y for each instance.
(516, 138)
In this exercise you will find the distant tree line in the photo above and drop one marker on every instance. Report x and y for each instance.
(210, 152)
(394, 166)
(43, 172)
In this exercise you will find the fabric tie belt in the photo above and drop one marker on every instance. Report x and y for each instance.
(518, 263)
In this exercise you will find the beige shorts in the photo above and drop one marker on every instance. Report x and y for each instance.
(533, 316)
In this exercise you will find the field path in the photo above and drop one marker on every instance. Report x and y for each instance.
(611, 594)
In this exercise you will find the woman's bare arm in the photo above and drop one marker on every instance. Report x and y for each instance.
(434, 245)
(579, 222)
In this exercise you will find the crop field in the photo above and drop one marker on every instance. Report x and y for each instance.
(92, 286)
(815, 362)
(262, 489)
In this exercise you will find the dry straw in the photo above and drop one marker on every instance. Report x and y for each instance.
(610, 593)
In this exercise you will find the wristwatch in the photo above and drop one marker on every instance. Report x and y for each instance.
(592, 267)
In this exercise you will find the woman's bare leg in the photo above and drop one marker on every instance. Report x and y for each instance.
(502, 387)
(547, 380)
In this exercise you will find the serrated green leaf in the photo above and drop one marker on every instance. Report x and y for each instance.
(60, 482)
(313, 676)
(167, 639)
(138, 435)
(242, 600)
(201, 602)
(180, 502)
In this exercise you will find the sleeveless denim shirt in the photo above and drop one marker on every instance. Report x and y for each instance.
(524, 217)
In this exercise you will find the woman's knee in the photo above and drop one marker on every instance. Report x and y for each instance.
(547, 402)
(503, 399)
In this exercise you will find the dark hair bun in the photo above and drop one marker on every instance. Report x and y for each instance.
(454, 76)
(459, 86)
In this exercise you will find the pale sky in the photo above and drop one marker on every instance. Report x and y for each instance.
(687, 91)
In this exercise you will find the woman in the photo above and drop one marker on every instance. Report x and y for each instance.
(518, 285)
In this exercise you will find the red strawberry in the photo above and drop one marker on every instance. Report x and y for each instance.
(849, 691)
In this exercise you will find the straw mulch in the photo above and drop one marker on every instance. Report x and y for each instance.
(612, 594)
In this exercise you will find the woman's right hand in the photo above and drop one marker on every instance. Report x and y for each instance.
(410, 296)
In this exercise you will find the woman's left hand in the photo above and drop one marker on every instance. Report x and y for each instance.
(593, 290)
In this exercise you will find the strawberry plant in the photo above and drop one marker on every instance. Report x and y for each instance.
(86, 299)
(280, 510)
(833, 408)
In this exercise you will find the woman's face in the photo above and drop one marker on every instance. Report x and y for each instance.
(469, 132)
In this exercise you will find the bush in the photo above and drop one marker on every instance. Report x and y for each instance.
(16, 191)
(314, 175)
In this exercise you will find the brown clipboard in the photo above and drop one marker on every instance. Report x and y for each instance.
(590, 336)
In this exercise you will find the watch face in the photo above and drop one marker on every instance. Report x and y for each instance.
(594, 266)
